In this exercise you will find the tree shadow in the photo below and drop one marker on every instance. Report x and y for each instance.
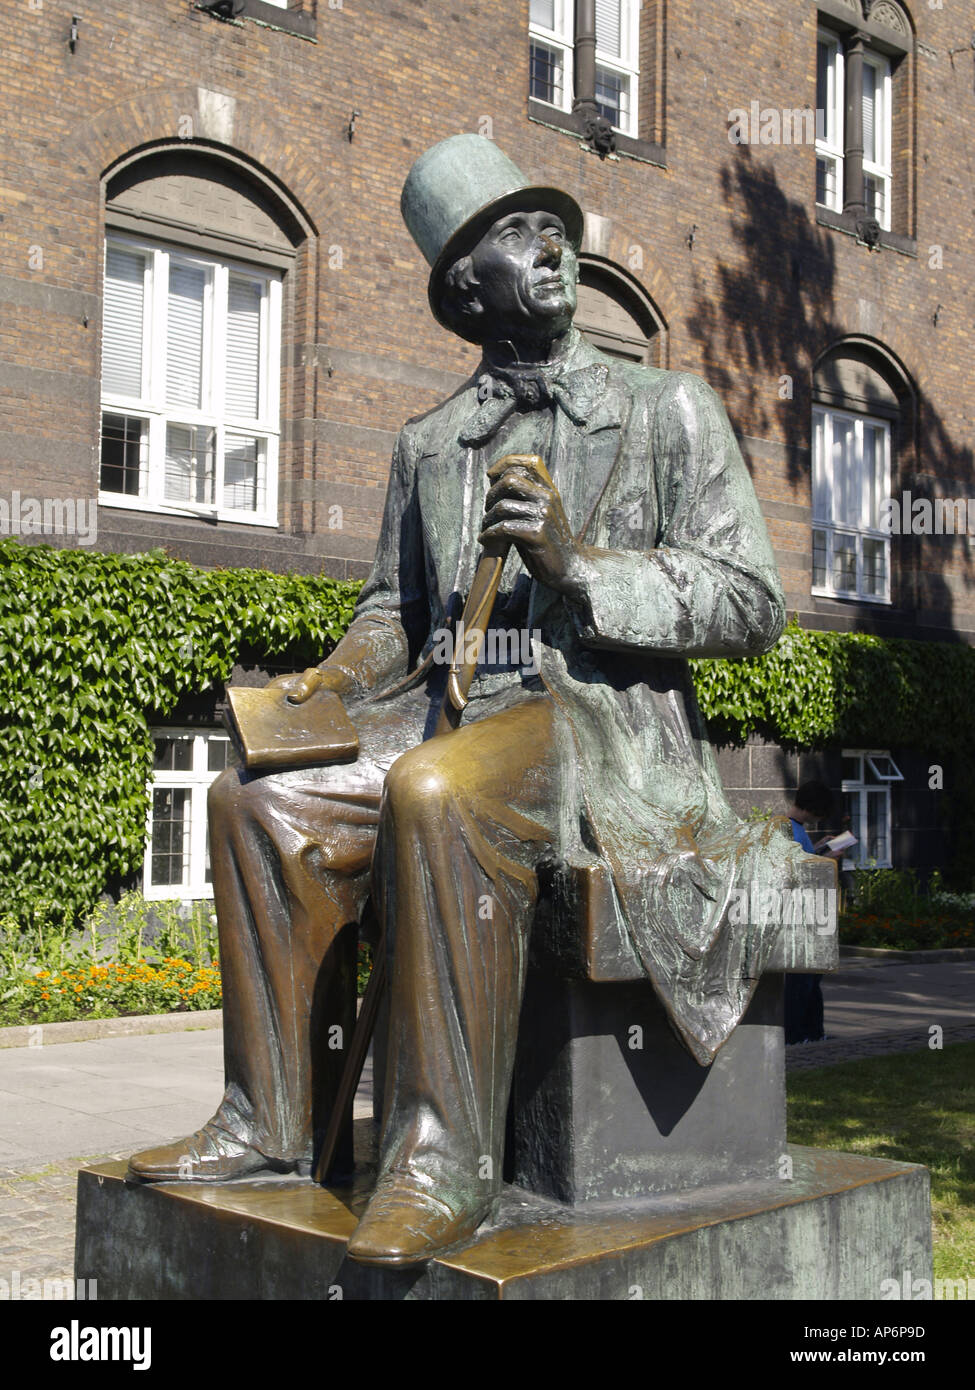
(773, 312)
(762, 323)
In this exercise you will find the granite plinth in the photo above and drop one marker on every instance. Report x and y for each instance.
(839, 1227)
(607, 1103)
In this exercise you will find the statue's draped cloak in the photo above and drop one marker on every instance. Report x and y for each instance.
(680, 565)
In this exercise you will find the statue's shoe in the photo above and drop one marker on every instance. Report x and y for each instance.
(406, 1225)
(212, 1154)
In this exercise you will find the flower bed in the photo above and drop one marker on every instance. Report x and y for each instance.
(888, 908)
(900, 932)
(132, 958)
(110, 990)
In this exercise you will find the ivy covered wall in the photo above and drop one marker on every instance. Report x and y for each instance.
(92, 644)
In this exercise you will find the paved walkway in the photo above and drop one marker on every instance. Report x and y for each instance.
(875, 1007)
(68, 1102)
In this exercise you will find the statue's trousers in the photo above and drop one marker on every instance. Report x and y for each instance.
(462, 823)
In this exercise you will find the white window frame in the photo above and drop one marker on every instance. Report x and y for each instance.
(625, 64)
(560, 40)
(829, 130)
(197, 781)
(880, 169)
(151, 405)
(823, 480)
(861, 788)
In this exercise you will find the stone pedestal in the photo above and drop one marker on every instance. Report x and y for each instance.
(839, 1227)
(608, 1104)
(632, 1172)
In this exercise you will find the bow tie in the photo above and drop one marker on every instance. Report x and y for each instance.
(501, 392)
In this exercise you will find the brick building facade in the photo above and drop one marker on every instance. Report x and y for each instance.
(245, 173)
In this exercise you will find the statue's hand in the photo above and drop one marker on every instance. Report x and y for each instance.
(524, 506)
(301, 687)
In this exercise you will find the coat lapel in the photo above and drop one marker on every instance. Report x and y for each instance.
(585, 456)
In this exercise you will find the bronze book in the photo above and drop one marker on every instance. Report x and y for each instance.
(270, 732)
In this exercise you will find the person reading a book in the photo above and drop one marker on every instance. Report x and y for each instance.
(804, 992)
(631, 539)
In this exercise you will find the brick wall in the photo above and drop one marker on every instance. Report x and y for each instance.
(756, 295)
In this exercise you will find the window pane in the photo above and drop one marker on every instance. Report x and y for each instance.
(170, 836)
(608, 29)
(852, 804)
(122, 329)
(875, 197)
(844, 562)
(852, 768)
(243, 472)
(543, 13)
(184, 343)
(874, 567)
(824, 116)
(244, 347)
(845, 499)
(877, 846)
(546, 74)
(173, 755)
(827, 181)
(124, 454)
(820, 491)
(870, 113)
(190, 464)
(612, 96)
(218, 752)
(819, 559)
(823, 180)
(883, 768)
(874, 459)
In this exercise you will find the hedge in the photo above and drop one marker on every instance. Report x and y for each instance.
(93, 647)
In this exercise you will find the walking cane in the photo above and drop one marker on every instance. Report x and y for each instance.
(467, 653)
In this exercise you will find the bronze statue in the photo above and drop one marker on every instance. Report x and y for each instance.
(613, 506)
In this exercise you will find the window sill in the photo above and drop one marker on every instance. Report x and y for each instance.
(872, 599)
(297, 22)
(135, 504)
(301, 23)
(627, 146)
(846, 222)
(178, 893)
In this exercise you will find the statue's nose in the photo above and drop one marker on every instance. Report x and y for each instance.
(549, 252)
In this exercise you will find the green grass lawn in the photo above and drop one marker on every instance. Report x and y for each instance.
(915, 1106)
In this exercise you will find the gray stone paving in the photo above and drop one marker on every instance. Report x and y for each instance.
(809, 1056)
(71, 1103)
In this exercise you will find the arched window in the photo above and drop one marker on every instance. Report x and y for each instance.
(862, 428)
(196, 257)
(616, 315)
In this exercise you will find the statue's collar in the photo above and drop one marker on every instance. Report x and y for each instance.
(502, 358)
(574, 382)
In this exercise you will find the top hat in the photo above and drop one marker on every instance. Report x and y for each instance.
(457, 189)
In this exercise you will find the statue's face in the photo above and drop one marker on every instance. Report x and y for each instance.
(526, 273)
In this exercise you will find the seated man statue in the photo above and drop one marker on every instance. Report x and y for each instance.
(636, 541)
